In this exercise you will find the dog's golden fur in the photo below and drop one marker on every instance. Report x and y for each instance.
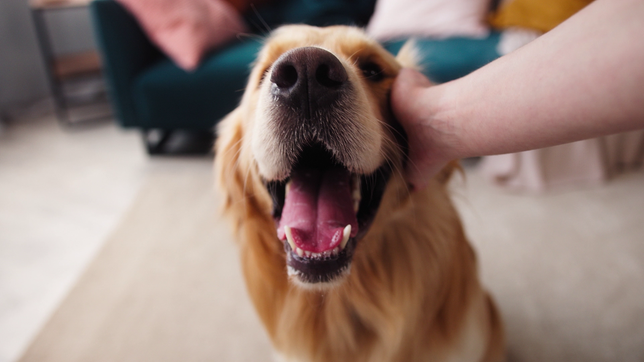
(412, 293)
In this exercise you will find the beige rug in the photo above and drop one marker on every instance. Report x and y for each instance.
(567, 271)
(166, 287)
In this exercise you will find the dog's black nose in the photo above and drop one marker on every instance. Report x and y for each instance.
(308, 79)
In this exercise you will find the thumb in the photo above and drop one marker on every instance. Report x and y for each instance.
(411, 78)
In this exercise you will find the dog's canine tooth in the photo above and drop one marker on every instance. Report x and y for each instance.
(345, 236)
(287, 188)
(289, 237)
(299, 252)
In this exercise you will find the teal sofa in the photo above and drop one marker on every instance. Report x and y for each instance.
(150, 93)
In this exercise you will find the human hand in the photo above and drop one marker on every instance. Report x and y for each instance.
(415, 105)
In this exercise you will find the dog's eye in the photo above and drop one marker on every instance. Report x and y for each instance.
(372, 71)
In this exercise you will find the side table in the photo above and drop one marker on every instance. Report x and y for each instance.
(64, 68)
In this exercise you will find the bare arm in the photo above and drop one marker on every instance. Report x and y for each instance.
(583, 79)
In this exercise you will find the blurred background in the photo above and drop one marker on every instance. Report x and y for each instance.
(111, 248)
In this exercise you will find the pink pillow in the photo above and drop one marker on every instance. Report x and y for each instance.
(429, 18)
(186, 29)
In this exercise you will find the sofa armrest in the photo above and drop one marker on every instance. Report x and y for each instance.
(125, 50)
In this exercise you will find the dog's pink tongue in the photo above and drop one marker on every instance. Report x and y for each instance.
(317, 208)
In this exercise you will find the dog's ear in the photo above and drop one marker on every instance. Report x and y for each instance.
(228, 176)
(408, 56)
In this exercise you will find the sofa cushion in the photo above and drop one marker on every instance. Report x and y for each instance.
(186, 30)
(401, 19)
(541, 15)
(167, 97)
(449, 59)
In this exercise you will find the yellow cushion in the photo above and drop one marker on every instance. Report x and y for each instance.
(541, 15)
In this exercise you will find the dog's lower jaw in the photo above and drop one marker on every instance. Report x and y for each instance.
(296, 279)
(314, 280)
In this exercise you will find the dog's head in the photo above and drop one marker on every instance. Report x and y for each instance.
(313, 145)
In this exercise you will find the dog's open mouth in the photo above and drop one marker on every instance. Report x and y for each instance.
(321, 211)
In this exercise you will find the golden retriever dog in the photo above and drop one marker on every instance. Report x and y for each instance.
(341, 260)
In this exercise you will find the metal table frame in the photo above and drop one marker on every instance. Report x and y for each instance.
(62, 104)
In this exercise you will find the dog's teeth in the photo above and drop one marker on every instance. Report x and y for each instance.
(335, 251)
(326, 254)
(345, 236)
(307, 253)
(287, 188)
(299, 252)
(316, 255)
(289, 237)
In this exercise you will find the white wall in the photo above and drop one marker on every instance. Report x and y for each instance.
(22, 74)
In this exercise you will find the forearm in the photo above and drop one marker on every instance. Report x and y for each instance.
(583, 79)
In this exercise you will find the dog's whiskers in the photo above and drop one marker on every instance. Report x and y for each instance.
(392, 129)
(267, 28)
(355, 61)
(258, 38)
